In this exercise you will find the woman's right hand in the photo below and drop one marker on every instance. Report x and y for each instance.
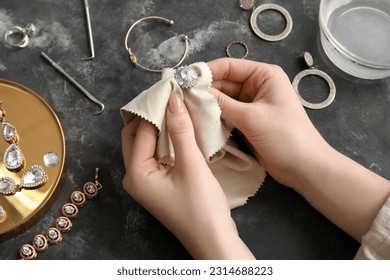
(258, 99)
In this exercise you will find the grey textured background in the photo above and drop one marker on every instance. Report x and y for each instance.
(277, 223)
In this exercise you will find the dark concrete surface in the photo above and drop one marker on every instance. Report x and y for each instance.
(277, 223)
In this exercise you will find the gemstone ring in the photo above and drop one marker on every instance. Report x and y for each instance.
(19, 37)
(186, 76)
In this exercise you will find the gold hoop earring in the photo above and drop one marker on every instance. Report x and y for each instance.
(133, 57)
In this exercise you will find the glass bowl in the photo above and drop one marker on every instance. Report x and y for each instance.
(355, 35)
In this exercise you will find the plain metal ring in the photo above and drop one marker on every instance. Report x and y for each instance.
(283, 11)
(17, 30)
(237, 43)
(133, 57)
(323, 75)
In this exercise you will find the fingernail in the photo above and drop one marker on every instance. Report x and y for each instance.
(176, 104)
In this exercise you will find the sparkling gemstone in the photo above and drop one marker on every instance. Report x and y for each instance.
(7, 186)
(13, 157)
(91, 189)
(52, 234)
(62, 223)
(39, 241)
(77, 197)
(308, 59)
(9, 132)
(51, 159)
(70, 210)
(247, 4)
(27, 251)
(186, 76)
(29, 29)
(33, 177)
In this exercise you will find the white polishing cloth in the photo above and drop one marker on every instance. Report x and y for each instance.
(239, 174)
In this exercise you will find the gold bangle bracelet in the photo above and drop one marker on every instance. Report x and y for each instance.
(132, 55)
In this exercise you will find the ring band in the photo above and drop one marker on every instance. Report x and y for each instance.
(133, 57)
(19, 44)
(283, 11)
(237, 43)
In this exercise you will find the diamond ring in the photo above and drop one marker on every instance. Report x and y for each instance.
(186, 76)
(19, 37)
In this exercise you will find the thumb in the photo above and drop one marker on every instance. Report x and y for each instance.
(232, 110)
(181, 130)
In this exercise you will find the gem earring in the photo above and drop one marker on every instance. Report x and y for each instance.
(34, 177)
(315, 72)
(249, 5)
(13, 157)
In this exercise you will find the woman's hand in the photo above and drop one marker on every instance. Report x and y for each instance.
(186, 197)
(259, 100)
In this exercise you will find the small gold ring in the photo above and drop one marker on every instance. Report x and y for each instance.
(238, 43)
(133, 57)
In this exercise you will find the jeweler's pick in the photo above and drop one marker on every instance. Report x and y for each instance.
(90, 37)
(76, 84)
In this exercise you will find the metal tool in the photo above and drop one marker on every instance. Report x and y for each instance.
(90, 37)
(76, 84)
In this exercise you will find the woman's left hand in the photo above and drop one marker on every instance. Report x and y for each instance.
(186, 197)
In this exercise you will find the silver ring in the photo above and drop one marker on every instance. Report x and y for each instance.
(283, 11)
(26, 33)
(315, 72)
(186, 76)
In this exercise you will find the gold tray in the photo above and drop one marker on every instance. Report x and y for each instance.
(39, 132)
